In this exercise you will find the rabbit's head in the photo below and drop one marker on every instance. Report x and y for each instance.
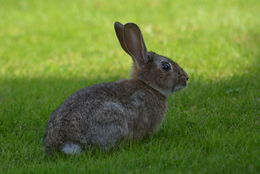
(157, 71)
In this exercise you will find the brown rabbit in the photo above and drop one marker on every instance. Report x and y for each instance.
(105, 114)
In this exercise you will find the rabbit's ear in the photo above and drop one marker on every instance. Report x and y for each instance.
(119, 29)
(134, 43)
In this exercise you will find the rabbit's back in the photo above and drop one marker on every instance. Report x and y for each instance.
(105, 113)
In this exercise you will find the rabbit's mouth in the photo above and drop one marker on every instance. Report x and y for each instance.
(183, 82)
(179, 87)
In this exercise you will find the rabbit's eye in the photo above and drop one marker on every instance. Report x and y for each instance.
(166, 66)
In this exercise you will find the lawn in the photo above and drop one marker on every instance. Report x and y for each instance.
(50, 49)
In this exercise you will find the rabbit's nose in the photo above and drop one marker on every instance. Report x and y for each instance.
(186, 76)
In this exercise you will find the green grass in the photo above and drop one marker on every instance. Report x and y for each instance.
(49, 49)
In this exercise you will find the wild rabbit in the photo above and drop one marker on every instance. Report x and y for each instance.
(105, 114)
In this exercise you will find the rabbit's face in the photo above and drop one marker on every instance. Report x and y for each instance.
(164, 74)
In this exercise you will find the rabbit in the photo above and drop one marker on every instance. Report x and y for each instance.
(103, 115)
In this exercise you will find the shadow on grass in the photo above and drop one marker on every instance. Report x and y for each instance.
(212, 117)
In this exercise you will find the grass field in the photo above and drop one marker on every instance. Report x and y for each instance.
(50, 49)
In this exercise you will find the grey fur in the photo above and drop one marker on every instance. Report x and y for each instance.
(105, 114)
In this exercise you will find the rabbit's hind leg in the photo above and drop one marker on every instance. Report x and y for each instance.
(109, 125)
(107, 136)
